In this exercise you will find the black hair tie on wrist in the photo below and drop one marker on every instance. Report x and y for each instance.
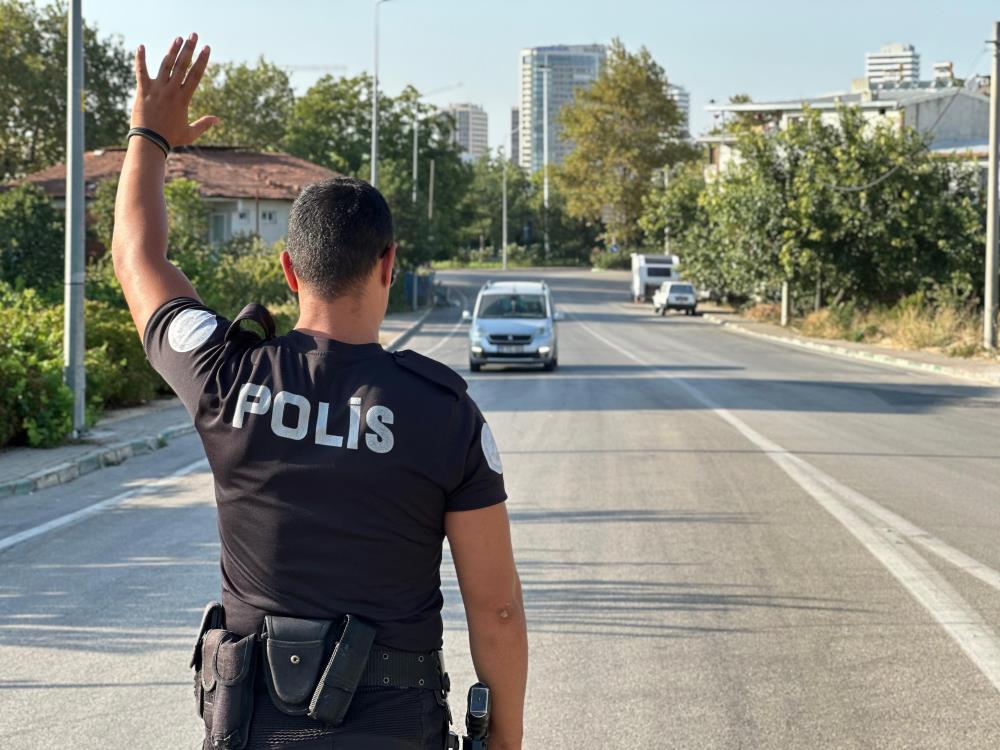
(151, 135)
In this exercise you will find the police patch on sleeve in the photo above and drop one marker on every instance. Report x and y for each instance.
(490, 449)
(190, 329)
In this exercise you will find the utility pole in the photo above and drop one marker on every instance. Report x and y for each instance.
(503, 191)
(545, 152)
(786, 305)
(416, 127)
(74, 373)
(374, 155)
(992, 218)
(430, 194)
(503, 213)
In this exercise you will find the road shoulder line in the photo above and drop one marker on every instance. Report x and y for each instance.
(889, 546)
(94, 508)
(842, 351)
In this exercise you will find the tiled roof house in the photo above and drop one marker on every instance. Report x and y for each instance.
(248, 192)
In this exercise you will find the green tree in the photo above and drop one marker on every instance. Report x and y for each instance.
(31, 241)
(842, 211)
(624, 128)
(331, 124)
(252, 102)
(33, 87)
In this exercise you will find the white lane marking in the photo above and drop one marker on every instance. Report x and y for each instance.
(958, 618)
(452, 332)
(79, 515)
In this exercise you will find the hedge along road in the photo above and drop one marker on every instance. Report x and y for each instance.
(724, 543)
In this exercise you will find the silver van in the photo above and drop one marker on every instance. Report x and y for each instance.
(513, 323)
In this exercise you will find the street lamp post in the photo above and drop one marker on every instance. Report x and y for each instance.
(374, 157)
(545, 152)
(503, 192)
(416, 130)
(75, 268)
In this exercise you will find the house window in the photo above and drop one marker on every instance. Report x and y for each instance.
(269, 217)
(243, 215)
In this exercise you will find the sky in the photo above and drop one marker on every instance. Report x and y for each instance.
(776, 49)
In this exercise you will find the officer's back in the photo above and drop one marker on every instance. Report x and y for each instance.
(339, 469)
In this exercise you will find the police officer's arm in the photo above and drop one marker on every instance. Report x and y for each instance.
(491, 591)
(139, 246)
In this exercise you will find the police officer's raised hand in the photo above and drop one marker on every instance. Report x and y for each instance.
(161, 103)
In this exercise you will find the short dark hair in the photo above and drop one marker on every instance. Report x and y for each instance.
(337, 231)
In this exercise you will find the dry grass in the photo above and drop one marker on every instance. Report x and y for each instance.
(955, 332)
(763, 312)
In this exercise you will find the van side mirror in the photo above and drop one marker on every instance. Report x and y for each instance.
(558, 315)
(466, 316)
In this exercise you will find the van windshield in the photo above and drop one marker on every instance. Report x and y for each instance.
(512, 306)
(682, 289)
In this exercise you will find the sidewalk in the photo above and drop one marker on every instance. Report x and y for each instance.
(117, 437)
(977, 369)
(124, 433)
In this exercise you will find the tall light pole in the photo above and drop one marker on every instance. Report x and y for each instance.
(416, 128)
(503, 192)
(992, 219)
(73, 338)
(545, 152)
(374, 166)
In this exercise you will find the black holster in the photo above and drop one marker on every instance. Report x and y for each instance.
(313, 667)
(225, 665)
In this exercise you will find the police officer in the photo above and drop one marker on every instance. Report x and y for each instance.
(339, 469)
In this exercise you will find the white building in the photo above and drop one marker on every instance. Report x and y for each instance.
(894, 63)
(568, 67)
(953, 117)
(680, 97)
(471, 129)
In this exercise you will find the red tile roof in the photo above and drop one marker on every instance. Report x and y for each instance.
(222, 172)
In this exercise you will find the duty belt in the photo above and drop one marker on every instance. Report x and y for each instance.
(311, 668)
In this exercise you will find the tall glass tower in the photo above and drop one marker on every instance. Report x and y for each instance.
(569, 68)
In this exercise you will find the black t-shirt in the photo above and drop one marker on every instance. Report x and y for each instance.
(334, 466)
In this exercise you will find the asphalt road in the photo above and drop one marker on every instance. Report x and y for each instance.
(724, 543)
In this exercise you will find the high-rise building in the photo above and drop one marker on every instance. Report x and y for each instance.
(680, 97)
(515, 123)
(568, 68)
(471, 129)
(894, 63)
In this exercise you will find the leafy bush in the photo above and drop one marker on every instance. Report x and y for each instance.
(35, 405)
(118, 373)
(31, 241)
(607, 260)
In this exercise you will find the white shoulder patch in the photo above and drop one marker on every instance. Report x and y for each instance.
(190, 329)
(490, 449)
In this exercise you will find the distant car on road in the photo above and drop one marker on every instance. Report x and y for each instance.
(675, 295)
(513, 323)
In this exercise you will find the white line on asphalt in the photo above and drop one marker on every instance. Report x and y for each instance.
(79, 515)
(958, 618)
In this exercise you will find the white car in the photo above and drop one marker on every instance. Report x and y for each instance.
(675, 295)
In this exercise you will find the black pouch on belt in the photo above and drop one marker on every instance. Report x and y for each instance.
(314, 666)
(225, 665)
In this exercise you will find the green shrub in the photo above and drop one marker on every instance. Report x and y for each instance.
(35, 405)
(118, 373)
(31, 241)
(605, 259)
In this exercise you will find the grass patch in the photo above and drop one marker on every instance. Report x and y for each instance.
(916, 323)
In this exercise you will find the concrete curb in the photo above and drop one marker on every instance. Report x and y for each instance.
(116, 453)
(843, 351)
(109, 455)
(403, 337)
